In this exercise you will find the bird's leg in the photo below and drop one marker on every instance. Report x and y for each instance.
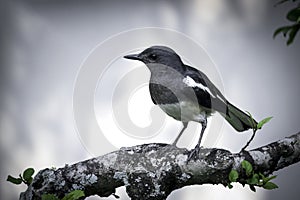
(203, 124)
(180, 133)
(195, 152)
(173, 145)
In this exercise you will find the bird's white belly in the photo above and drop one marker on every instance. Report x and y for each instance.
(185, 111)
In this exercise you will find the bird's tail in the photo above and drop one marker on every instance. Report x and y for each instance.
(238, 119)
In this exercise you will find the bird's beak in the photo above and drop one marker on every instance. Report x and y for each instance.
(133, 57)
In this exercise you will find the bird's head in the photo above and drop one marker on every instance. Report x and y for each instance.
(157, 55)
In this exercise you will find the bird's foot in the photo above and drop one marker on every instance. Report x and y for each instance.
(194, 154)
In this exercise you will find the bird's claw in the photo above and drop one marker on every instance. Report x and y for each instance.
(194, 154)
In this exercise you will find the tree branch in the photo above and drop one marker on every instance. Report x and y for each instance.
(153, 171)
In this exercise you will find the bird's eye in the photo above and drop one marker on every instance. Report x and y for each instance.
(153, 56)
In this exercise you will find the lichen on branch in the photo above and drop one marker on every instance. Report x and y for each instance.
(153, 171)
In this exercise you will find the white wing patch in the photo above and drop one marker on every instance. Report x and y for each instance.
(191, 83)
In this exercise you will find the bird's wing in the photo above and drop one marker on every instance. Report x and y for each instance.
(201, 78)
(203, 86)
(206, 92)
(153, 100)
(151, 89)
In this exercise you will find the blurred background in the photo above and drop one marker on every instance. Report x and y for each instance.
(45, 46)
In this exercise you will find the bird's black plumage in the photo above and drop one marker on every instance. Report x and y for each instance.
(186, 93)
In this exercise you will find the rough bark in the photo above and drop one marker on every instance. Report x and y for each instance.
(153, 171)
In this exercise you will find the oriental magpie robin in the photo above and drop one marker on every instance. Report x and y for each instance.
(185, 93)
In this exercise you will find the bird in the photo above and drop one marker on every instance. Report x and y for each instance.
(186, 93)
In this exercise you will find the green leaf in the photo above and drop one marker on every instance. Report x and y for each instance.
(262, 176)
(281, 2)
(233, 175)
(260, 182)
(49, 197)
(14, 180)
(252, 121)
(293, 14)
(74, 195)
(270, 186)
(230, 186)
(293, 33)
(254, 180)
(284, 30)
(29, 181)
(267, 179)
(27, 174)
(270, 178)
(263, 122)
(247, 167)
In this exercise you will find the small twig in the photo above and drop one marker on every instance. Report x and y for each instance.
(252, 137)
(254, 128)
